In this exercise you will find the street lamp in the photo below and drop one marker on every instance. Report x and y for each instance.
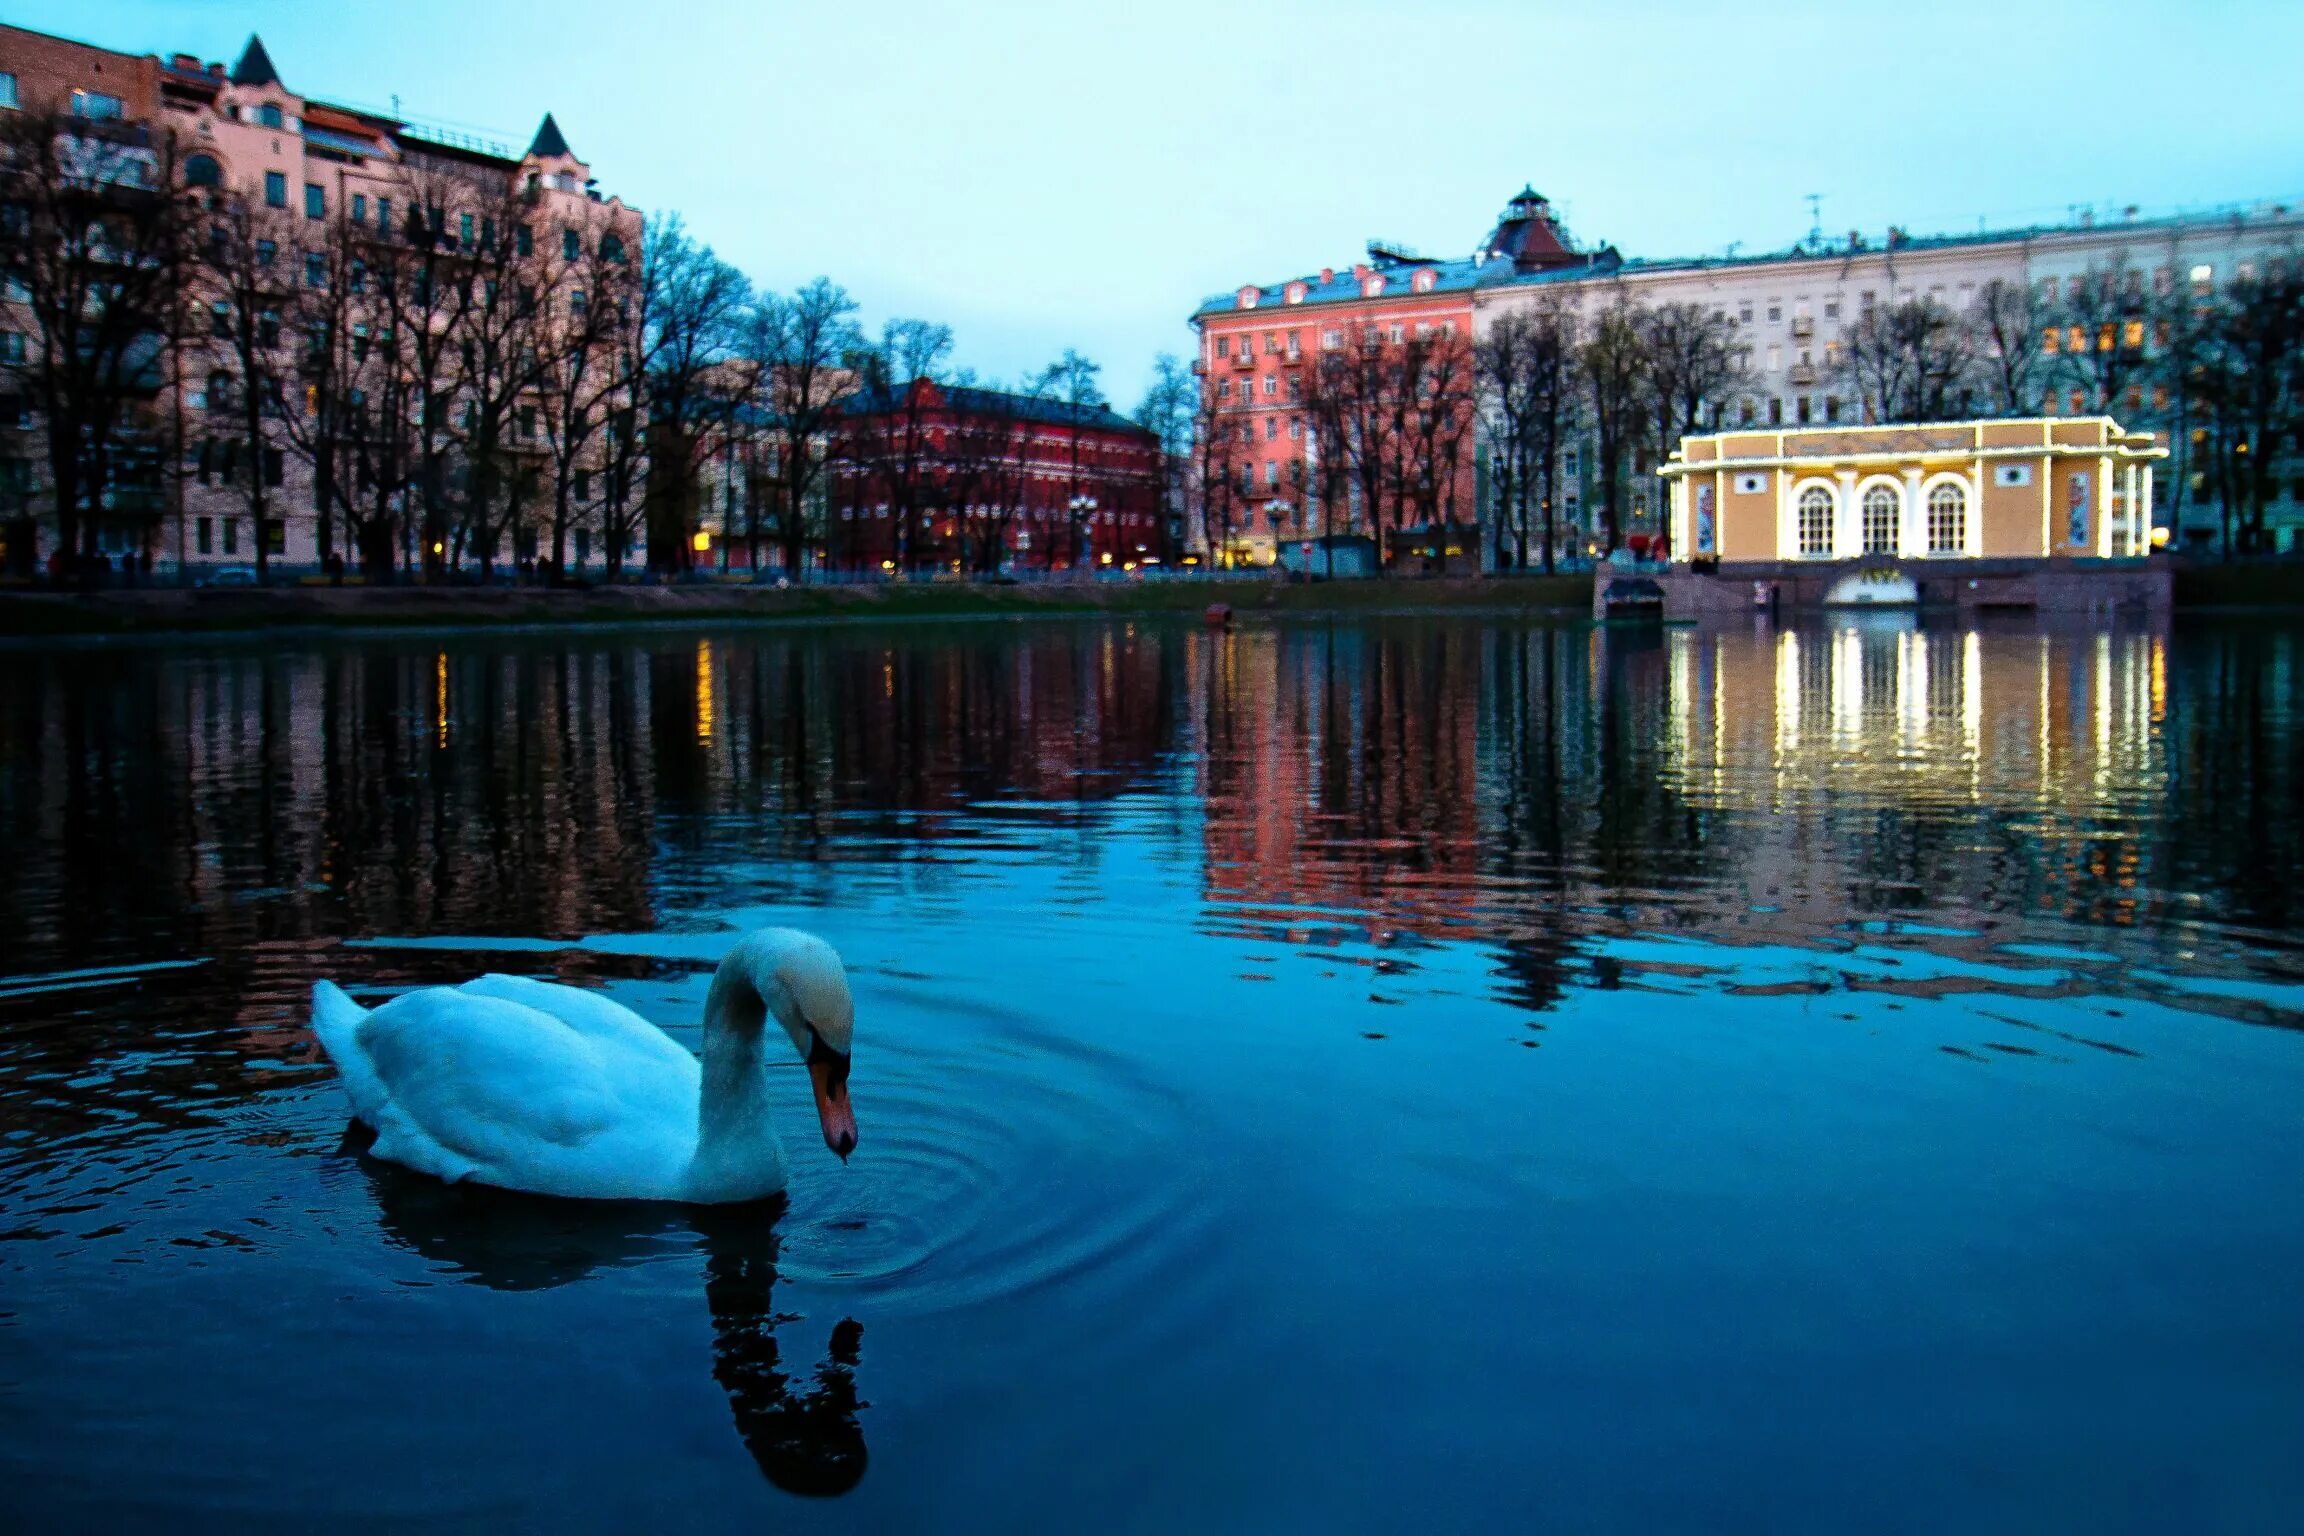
(1083, 509)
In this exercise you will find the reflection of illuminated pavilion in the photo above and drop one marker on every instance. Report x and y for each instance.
(1937, 726)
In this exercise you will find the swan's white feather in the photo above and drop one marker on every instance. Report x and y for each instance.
(559, 1091)
(472, 1086)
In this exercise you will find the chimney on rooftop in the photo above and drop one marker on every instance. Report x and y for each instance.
(1360, 271)
(189, 63)
(1327, 274)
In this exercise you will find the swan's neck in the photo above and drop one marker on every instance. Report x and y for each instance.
(737, 1154)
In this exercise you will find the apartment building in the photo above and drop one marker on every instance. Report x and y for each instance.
(1791, 311)
(313, 169)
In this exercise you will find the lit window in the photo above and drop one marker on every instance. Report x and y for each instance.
(1815, 521)
(2052, 340)
(2203, 279)
(1947, 520)
(1880, 520)
(2133, 335)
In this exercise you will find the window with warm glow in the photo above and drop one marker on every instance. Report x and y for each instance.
(1815, 521)
(1947, 520)
(1880, 509)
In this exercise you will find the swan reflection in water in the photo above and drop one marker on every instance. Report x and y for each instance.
(804, 1434)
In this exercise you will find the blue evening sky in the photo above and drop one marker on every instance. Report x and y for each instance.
(1043, 176)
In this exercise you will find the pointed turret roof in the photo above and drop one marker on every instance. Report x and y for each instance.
(255, 66)
(549, 143)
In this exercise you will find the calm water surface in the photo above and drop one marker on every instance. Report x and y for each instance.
(1411, 1075)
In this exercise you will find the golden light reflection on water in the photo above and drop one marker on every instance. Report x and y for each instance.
(1912, 715)
(440, 698)
(704, 693)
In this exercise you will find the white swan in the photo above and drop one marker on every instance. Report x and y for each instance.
(558, 1091)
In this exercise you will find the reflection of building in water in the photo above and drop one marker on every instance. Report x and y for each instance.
(1342, 774)
(1919, 763)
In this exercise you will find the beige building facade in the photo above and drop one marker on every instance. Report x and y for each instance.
(2008, 489)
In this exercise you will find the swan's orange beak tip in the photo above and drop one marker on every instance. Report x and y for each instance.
(829, 1077)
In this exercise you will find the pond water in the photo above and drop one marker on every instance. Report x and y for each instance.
(1386, 1073)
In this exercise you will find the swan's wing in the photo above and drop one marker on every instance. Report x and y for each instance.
(484, 1088)
(597, 1018)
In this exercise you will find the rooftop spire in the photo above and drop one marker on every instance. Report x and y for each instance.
(255, 66)
(549, 143)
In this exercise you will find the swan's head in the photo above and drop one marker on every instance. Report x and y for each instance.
(812, 1002)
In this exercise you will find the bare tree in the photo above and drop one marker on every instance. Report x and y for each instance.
(2008, 331)
(579, 383)
(1614, 364)
(691, 332)
(1693, 362)
(1910, 361)
(988, 477)
(1436, 386)
(249, 272)
(2100, 331)
(804, 341)
(2249, 379)
(1528, 364)
(323, 409)
(95, 240)
(1215, 443)
(1166, 412)
(891, 427)
(1071, 379)
(1328, 419)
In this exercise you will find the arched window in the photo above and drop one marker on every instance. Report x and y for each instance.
(268, 116)
(1816, 521)
(1947, 520)
(203, 171)
(1880, 510)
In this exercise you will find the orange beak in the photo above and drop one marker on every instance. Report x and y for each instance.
(828, 1074)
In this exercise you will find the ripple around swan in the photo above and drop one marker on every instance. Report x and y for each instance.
(989, 1168)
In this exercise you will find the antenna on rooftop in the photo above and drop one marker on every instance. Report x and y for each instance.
(1815, 219)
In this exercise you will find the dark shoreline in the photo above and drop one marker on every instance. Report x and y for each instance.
(154, 612)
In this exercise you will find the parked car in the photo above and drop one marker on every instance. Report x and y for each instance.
(230, 576)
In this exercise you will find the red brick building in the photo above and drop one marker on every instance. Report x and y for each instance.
(941, 477)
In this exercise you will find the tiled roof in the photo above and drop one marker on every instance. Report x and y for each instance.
(1455, 276)
(1461, 275)
(968, 400)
